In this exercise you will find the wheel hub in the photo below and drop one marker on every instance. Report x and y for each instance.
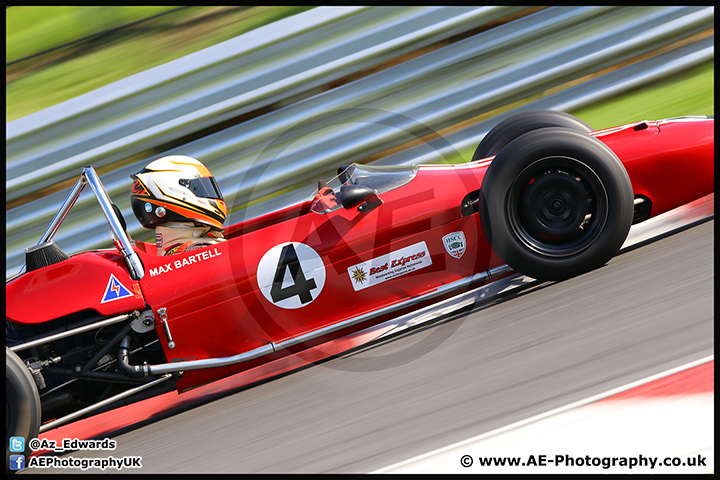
(554, 205)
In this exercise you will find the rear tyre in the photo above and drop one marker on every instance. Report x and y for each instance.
(22, 405)
(556, 203)
(511, 128)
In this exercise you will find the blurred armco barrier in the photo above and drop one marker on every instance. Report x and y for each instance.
(309, 98)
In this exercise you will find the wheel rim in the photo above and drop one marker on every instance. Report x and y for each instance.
(557, 206)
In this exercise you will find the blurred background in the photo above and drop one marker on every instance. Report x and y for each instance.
(273, 98)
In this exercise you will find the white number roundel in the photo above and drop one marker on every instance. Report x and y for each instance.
(291, 275)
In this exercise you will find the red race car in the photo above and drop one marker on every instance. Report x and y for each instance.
(541, 196)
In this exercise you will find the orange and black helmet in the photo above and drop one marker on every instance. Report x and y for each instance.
(177, 189)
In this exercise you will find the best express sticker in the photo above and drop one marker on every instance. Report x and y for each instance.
(387, 267)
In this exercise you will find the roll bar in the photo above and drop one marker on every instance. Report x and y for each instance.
(120, 237)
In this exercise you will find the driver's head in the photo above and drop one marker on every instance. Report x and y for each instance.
(177, 189)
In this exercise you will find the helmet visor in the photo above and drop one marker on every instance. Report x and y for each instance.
(205, 187)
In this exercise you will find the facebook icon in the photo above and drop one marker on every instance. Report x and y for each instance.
(17, 462)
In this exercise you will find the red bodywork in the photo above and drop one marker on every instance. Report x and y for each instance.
(212, 296)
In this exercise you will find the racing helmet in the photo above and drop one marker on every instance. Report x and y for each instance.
(177, 188)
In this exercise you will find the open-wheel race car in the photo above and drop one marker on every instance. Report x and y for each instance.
(543, 195)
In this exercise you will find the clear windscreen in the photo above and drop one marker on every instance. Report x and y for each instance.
(379, 178)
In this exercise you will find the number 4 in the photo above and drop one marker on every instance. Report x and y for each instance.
(301, 286)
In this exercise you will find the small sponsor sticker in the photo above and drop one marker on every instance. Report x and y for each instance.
(387, 267)
(115, 290)
(455, 244)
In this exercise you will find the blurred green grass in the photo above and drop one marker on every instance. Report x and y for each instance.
(52, 78)
(31, 30)
(692, 93)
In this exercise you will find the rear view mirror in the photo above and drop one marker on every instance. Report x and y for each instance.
(352, 195)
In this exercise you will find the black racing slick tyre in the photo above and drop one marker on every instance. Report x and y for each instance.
(22, 405)
(556, 203)
(512, 127)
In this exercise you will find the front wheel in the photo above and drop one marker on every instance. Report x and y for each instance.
(556, 204)
(22, 405)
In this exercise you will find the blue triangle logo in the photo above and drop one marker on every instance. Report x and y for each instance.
(115, 290)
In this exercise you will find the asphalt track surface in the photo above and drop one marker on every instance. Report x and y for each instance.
(648, 310)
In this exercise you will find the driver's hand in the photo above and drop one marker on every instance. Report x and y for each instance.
(325, 199)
